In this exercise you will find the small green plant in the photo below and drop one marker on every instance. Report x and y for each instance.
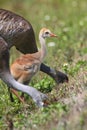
(45, 85)
(74, 69)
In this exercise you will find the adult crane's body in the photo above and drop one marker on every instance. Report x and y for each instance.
(18, 32)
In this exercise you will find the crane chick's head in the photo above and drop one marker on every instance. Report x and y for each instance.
(44, 33)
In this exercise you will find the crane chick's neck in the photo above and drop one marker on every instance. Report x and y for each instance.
(42, 39)
(43, 47)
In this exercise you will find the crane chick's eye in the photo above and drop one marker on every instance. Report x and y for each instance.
(46, 32)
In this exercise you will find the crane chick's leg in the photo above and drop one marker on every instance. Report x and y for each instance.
(5, 75)
(16, 94)
(58, 76)
(11, 95)
(13, 91)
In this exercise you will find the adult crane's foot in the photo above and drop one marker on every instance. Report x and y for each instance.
(39, 98)
(60, 77)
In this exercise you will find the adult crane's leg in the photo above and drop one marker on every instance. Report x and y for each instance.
(5, 75)
(58, 76)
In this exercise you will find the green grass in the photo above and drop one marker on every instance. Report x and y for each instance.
(67, 107)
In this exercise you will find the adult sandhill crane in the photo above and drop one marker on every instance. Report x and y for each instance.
(18, 32)
(28, 65)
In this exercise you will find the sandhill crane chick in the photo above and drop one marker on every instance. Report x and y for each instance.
(25, 67)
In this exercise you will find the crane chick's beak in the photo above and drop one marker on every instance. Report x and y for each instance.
(53, 35)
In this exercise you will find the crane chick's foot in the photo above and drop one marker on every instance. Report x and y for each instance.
(60, 77)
